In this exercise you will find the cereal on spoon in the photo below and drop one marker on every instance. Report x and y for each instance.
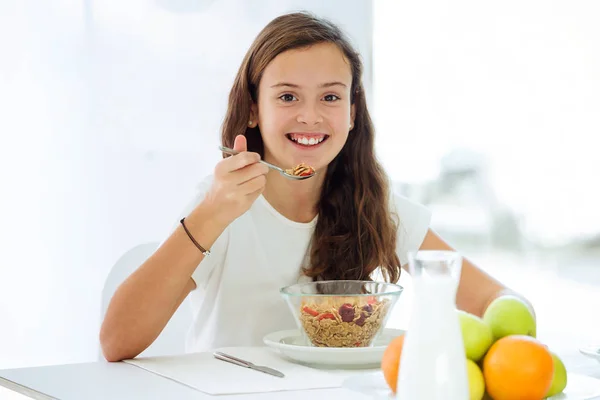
(301, 169)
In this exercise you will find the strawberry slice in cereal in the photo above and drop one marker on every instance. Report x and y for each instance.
(326, 316)
(310, 311)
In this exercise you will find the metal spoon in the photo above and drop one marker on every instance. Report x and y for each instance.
(275, 167)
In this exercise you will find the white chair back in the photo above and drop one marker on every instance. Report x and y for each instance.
(172, 339)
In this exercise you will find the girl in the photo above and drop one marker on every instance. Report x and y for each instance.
(297, 97)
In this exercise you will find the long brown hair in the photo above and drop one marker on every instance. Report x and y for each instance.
(355, 232)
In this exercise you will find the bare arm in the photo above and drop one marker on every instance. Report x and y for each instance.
(476, 289)
(143, 304)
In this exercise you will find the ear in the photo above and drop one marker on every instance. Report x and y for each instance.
(352, 115)
(253, 119)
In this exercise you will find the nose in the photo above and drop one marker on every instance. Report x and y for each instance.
(309, 114)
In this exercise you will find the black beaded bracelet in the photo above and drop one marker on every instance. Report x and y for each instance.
(202, 249)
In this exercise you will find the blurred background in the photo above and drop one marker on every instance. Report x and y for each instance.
(486, 112)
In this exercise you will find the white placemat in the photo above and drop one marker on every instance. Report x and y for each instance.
(205, 373)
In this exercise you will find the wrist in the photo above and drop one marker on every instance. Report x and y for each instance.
(216, 213)
(205, 225)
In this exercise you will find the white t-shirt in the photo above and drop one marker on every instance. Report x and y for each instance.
(237, 300)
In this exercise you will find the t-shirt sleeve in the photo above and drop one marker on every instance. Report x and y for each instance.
(217, 252)
(413, 224)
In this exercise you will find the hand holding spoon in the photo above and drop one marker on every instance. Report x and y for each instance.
(300, 172)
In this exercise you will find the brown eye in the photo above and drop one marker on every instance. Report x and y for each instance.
(287, 97)
(331, 98)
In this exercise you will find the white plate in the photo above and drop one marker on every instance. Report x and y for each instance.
(592, 352)
(579, 387)
(291, 345)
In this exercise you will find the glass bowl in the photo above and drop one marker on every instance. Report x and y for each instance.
(341, 313)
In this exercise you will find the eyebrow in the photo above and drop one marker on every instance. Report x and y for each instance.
(323, 85)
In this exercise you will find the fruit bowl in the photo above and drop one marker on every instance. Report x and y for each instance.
(343, 313)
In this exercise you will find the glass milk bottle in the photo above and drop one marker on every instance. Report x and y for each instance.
(433, 365)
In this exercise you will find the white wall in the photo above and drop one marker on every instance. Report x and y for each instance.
(109, 115)
(516, 80)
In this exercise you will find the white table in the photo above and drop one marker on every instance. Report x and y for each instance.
(116, 381)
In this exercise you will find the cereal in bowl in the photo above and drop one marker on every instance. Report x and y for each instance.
(343, 322)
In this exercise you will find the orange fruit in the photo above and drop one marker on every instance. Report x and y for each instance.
(518, 367)
(390, 362)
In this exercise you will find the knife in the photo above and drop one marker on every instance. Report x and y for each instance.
(247, 364)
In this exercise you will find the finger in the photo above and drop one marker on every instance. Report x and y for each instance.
(242, 160)
(248, 173)
(234, 163)
(240, 144)
(256, 193)
(253, 185)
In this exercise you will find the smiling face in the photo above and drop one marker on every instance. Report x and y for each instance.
(304, 106)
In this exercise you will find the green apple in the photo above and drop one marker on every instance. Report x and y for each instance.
(509, 315)
(559, 380)
(477, 335)
(476, 381)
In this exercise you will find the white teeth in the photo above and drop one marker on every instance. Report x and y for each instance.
(306, 141)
